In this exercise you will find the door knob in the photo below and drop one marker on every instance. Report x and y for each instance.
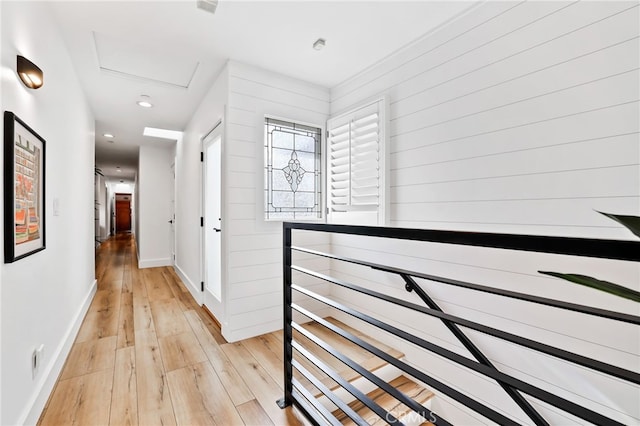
(170, 221)
(217, 229)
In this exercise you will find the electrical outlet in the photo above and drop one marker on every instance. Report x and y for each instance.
(36, 360)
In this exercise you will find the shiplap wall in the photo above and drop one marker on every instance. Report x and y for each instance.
(254, 248)
(517, 117)
(188, 208)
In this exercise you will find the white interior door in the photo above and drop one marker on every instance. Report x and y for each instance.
(172, 215)
(213, 289)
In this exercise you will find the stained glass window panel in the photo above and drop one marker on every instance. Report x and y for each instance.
(305, 144)
(282, 199)
(293, 181)
(307, 160)
(282, 139)
(281, 157)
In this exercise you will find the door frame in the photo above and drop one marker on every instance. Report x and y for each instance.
(219, 317)
(172, 212)
(130, 200)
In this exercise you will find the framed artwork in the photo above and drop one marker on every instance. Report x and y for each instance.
(24, 189)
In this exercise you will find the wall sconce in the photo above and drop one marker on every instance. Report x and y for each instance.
(29, 73)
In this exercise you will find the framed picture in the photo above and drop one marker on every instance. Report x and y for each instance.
(24, 184)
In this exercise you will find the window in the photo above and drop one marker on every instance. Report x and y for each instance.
(357, 166)
(292, 168)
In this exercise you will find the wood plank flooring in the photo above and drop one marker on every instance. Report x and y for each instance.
(147, 354)
(356, 353)
(384, 400)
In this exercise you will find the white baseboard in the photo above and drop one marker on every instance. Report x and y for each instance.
(232, 336)
(193, 288)
(47, 381)
(267, 327)
(154, 263)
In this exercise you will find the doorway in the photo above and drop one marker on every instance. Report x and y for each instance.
(212, 222)
(123, 212)
(172, 213)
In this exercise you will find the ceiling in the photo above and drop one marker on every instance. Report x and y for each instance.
(172, 52)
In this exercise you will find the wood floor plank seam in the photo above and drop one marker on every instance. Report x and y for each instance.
(147, 354)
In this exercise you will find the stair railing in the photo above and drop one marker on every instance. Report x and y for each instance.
(298, 395)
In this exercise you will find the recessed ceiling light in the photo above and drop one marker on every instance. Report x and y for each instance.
(118, 169)
(207, 5)
(108, 135)
(319, 44)
(144, 101)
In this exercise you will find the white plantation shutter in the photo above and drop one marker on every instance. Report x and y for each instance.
(339, 164)
(357, 166)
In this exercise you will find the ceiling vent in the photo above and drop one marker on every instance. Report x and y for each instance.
(208, 5)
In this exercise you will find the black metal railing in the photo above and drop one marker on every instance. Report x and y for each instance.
(298, 395)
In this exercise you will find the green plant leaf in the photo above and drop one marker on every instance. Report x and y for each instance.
(605, 286)
(632, 223)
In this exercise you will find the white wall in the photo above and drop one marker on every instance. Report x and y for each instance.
(154, 194)
(104, 210)
(1, 220)
(253, 246)
(110, 210)
(189, 181)
(44, 296)
(107, 212)
(101, 208)
(518, 118)
(136, 213)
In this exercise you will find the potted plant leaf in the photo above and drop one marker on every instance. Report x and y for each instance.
(632, 223)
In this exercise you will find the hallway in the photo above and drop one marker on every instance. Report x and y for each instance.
(147, 354)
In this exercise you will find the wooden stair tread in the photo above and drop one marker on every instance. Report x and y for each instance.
(353, 351)
(388, 349)
(387, 402)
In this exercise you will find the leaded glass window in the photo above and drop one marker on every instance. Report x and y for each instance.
(292, 171)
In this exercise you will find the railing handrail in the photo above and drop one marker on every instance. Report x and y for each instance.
(624, 250)
(573, 246)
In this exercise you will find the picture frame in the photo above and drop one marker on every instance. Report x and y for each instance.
(24, 190)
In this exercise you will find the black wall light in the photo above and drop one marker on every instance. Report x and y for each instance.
(29, 73)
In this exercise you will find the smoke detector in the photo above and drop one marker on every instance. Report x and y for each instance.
(207, 5)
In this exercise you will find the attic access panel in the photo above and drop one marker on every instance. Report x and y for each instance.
(143, 60)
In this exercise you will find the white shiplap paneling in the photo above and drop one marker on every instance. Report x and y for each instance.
(519, 118)
(254, 246)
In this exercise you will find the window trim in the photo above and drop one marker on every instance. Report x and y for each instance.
(323, 171)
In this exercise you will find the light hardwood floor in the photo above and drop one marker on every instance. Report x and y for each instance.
(147, 354)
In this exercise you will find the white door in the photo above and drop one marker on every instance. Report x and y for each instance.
(172, 215)
(213, 289)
